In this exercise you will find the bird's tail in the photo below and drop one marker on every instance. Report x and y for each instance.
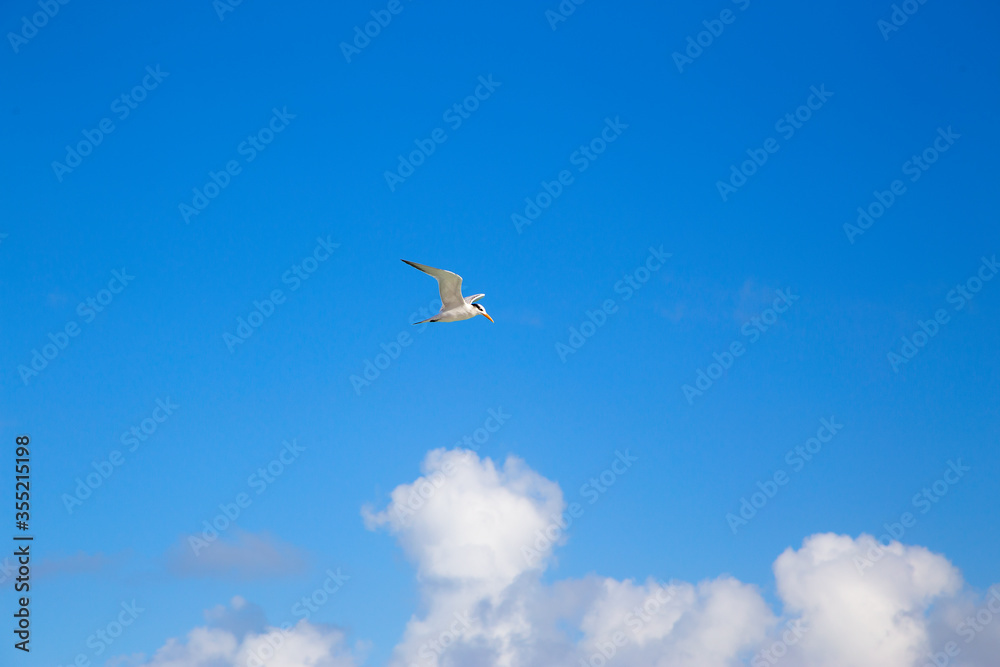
(429, 319)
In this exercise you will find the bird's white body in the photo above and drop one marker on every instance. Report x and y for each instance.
(463, 312)
(454, 307)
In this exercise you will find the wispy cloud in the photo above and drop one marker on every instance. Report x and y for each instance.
(79, 563)
(243, 555)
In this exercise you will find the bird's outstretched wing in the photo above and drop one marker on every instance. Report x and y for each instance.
(449, 284)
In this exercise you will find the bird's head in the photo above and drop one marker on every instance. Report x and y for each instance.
(482, 311)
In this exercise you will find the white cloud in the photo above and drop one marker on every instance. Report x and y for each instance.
(486, 606)
(676, 624)
(859, 614)
(230, 640)
(464, 522)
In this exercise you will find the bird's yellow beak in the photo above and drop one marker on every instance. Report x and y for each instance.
(487, 316)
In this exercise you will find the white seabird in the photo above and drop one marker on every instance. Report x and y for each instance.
(454, 307)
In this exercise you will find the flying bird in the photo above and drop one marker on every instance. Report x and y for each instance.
(454, 306)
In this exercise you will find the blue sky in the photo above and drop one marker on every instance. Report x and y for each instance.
(314, 194)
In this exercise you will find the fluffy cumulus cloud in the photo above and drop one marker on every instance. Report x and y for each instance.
(235, 636)
(481, 536)
(864, 604)
(466, 521)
